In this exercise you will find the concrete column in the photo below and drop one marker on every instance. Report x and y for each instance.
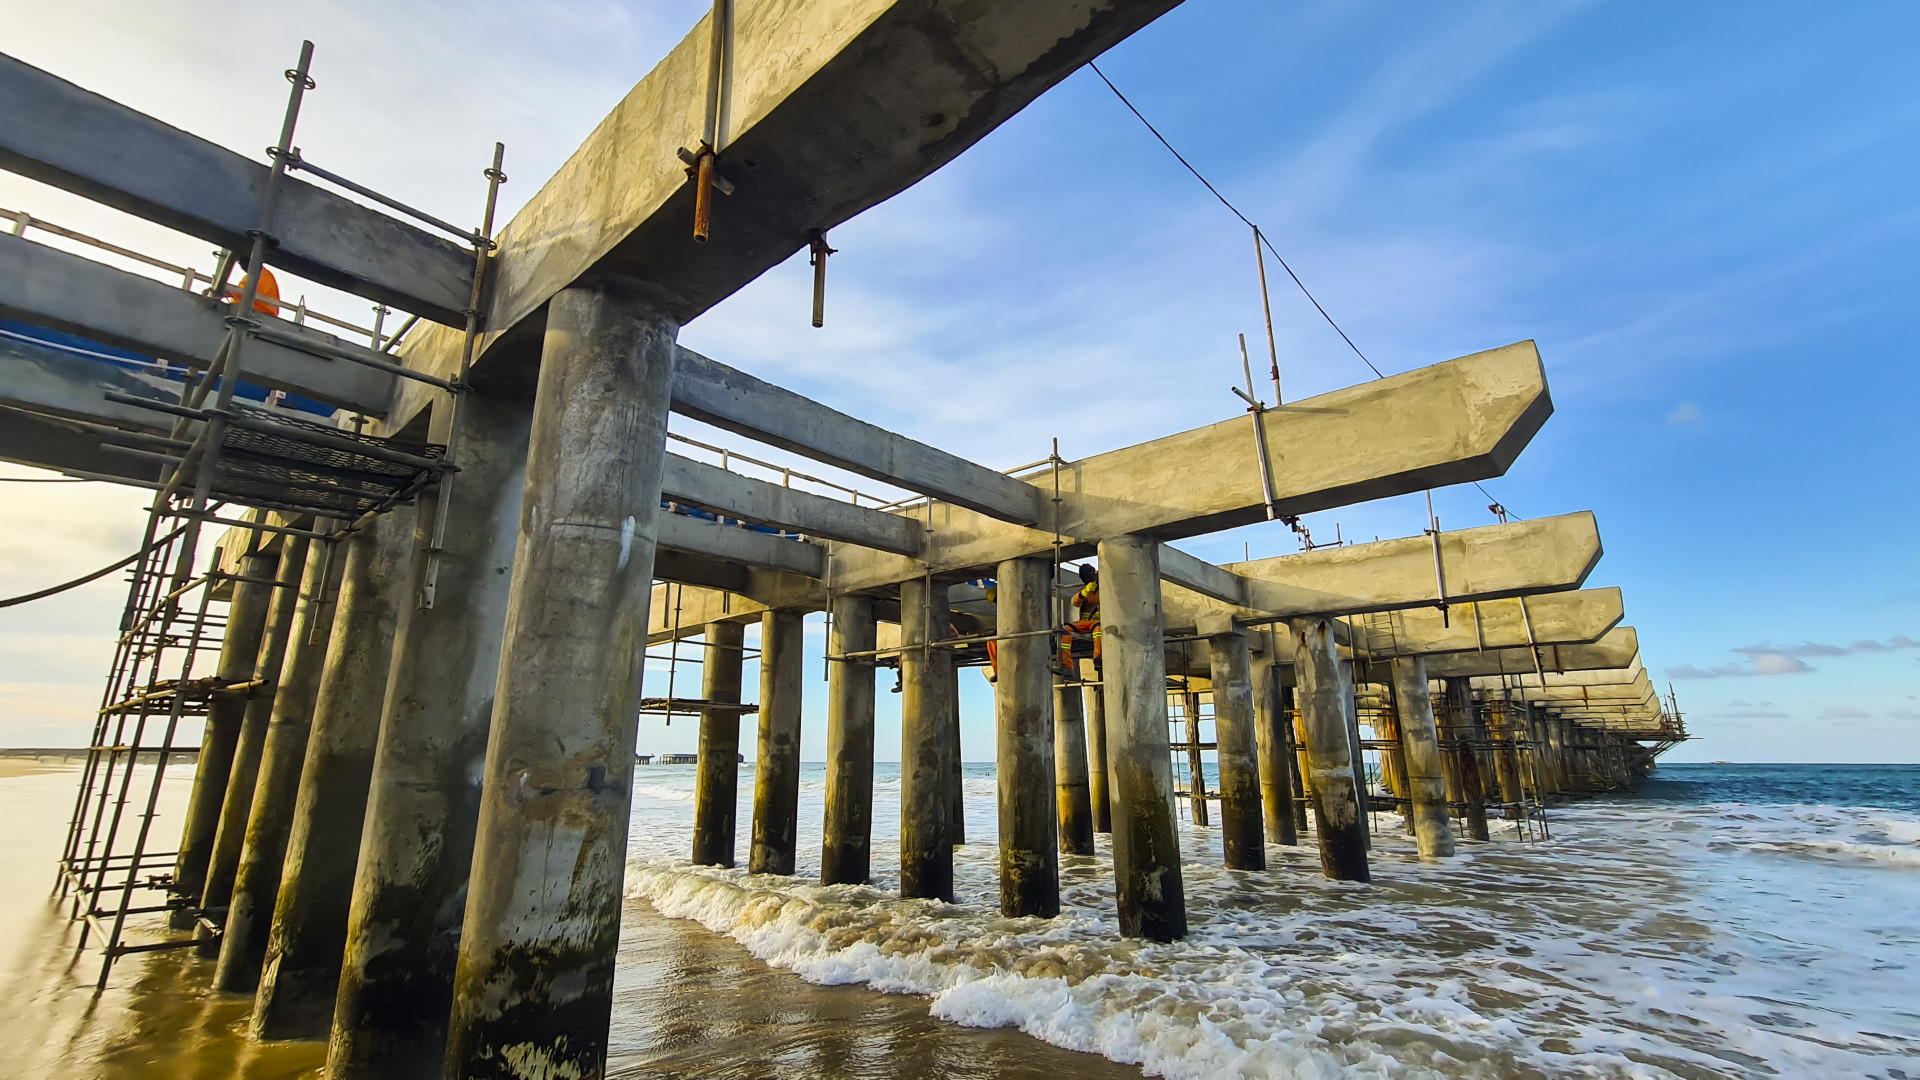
(263, 853)
(239, 651)
(1464, 782)
(1023, 725)
(956, 784)
(776, 773)
(238, 804)
(410, 884)
(1095, 706)
(533, 989)
(1358, 757)
(1274, 747)
(927, 748)
(845, 855)
(1241, 833)
(1393, 759)
(1325, 697)
(1146, 841)
(716, 785)
(1196, 765)
(1295, 727)
(1073, 800)
(1420, 747)
(1507, 759)
(302, 971)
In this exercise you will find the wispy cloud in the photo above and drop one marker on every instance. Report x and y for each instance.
(1843, 712)
(1766, 659)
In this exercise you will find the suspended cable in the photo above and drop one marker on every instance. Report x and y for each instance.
(1261, 233)
(15, 601)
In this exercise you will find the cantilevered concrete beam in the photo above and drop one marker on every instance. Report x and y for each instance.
(1544, 555)
(716, 394)
(55, 132)
(1633, 672)
(1453, 422)
(698, 484)
(42, 379)
(1577, 617)
(49, 287)
(830, 108)
(1615, 650)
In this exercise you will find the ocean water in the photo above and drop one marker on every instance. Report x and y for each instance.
(1726, 921)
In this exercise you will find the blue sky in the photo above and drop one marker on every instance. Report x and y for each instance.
(1704, 214)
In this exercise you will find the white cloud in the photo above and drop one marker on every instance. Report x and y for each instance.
(1684, 413)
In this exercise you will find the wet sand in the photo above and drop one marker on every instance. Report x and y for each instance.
(688, 1002)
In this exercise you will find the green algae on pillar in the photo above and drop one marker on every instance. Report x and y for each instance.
(1146, 840)
(1420, 750)
(1326, 698)
(1241, 833)
(1023, 715)
(301, 974)
(423, 799)
(1073, 802)
(263, 855)
(776, 772)
(533, 989)
(845, 848)
(716, 785)
(238, 804)
(239, 652)
(927, 747)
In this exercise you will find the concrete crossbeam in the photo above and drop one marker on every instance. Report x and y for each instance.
(1545, 555)
(1614, 650)
(43, 380)
(1576, 617)
(1634, 672)
(733, 400)
(745, 547)
(59, 134)
(711, 488)
(1461, 420)
(49, 287)
(1491, 562)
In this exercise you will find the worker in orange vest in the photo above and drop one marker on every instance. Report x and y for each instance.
(266, 299)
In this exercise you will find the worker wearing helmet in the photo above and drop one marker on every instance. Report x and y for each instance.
(1086, 601)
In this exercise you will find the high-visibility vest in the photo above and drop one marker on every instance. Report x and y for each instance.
(266, 299)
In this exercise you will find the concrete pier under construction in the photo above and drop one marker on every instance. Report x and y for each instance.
(426, 666)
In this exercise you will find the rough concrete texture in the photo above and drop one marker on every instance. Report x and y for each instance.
(1072, 796)
(1462, 420)
(1023, 726)
(927, 747)
(410, 885)
(1242, 832)
(301, 975)
(716, 786)
(256, 883)
(845, 854)
(1098, 788)
(776, 771)
(533, 988)
(829, 108)
(229, 838)
(1420, 749)
(1146, 840)
(1615, 649)
(1326, 701)
(239, 652)
(1273, 744)
(1578, 617)
(59, 134)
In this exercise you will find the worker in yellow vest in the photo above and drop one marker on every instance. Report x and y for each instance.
(1086, 602)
